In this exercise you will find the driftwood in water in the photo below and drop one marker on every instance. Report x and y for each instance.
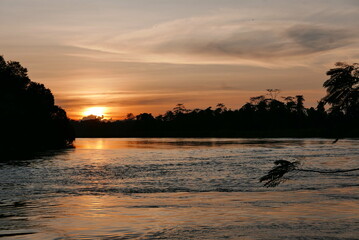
(276, 174)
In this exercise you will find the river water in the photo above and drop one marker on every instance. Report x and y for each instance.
(181, 189)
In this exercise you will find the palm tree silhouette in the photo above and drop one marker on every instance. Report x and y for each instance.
(342, 87)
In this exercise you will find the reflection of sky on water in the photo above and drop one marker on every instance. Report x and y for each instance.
(180, 188)
(116, 143)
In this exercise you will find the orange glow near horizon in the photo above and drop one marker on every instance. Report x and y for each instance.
(117, 106)
(97, 111)
(137, 57)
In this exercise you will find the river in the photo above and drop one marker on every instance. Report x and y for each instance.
(181, 189)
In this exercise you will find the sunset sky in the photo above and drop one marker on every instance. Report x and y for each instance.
(148, 55)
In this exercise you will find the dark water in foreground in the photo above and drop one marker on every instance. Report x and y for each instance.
(181, 189)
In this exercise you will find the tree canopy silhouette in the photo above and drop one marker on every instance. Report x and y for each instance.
(343, 88)
(29, 118)
(343, 97)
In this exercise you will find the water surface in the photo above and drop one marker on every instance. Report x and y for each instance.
(181, 189)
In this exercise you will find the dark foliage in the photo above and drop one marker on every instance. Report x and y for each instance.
(275, 176)
(260, 117)
(343, 88)
(343, 97)
(29, 120)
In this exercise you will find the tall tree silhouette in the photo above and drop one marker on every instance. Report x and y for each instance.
(29, 119)
(343, 87)
(343, 97)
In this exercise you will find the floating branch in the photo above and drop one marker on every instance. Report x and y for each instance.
(334, 171)
(275, 175)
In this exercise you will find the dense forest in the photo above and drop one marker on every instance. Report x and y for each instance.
(261, 117)
(335, 116)
(29, 118)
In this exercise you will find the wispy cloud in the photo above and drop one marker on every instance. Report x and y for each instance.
(232, 39)
(148, 55)
(312, 39)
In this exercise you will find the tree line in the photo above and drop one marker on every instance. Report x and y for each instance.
(30, 120)
(260, 117)
(335, 116)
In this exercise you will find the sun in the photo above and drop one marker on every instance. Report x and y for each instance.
(96, 111)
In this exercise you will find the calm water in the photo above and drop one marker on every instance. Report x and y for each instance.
(181, 189)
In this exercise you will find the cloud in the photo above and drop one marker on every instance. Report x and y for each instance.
(315, 38)
(234, 39)
(151, 56)
(119, 100)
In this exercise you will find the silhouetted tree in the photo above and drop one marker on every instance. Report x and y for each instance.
(145, 117)
(343, 87)
(257, 100)
(221, 108)
(180, 109)
(343, 97)
(273, 93)
(299, 105)
(92, 117)
(169, 116)
(130, 117)
(29, 120)
(320, 107)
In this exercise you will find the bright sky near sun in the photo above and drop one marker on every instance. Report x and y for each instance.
(148, 55)
(96, 111)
